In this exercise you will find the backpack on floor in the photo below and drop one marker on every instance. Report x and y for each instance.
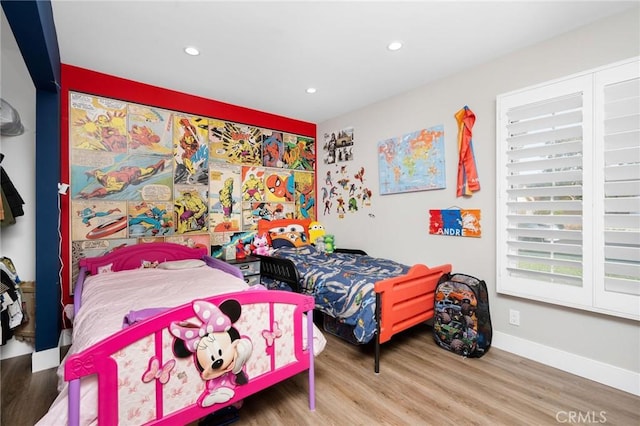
(462, 323)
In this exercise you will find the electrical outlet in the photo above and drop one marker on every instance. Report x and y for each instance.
(514, 317)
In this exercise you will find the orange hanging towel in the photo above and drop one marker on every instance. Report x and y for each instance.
(468, 181)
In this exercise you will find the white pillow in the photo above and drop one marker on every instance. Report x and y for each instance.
(182, 264)
(105, 269)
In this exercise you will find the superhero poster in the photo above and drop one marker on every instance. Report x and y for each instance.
(191, 150)
(109, 176)
(94, 219)
(238, 241)
(191, 240)
(235, 143)
(299, 152)
(150, 219)
(97, 124)
(252, 212)
(279, 185)
(272, 148)
(191, 209)
(150, 130)
(225, 197)
(305, 195)
(253, 183)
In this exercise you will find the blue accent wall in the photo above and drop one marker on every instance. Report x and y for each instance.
(48, 309)
(33, 27)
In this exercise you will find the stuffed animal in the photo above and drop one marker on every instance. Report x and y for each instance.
(320, 244)
(316, 229)
(329, 243)
(261, 245)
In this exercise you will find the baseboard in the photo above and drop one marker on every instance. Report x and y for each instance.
(15, 348)
(44, 360)
(65, 337)
(610, 375)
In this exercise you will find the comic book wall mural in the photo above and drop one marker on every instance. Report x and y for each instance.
(140, 173)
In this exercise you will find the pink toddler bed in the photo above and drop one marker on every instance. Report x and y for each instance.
(201, 339)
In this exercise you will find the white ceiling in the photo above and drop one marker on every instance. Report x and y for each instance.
(264, 54)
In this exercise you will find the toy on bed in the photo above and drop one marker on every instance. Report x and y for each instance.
(261, 245)
(223, 342)
(370, 298)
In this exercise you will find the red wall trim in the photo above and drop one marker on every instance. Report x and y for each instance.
(99, 84)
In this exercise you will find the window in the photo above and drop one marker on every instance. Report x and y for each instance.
(568, 225)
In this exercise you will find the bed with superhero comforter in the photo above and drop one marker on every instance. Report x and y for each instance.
(365, 298)
(342, 284)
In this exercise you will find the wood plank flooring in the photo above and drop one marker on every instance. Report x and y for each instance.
(418, 384)
(25, 397)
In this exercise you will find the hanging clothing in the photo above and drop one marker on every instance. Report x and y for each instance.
(8, 218)
(468, 181)
(11, 308)
(4, 205)
(9, 191)
(3, 202)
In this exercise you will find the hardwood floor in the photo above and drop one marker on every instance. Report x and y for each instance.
(25, 397)
(418, 384)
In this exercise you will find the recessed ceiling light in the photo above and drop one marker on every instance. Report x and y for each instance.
(394, 45)
(311, 90)
(191, 51)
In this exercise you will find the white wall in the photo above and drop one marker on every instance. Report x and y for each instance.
(595, 346)
(18, 241)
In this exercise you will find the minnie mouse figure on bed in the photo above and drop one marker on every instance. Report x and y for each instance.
(218, 350)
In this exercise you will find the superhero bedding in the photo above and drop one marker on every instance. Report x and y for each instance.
(352, 289)
(135, 359)
(342, 284)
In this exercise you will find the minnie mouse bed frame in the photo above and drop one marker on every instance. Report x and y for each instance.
(284, 355)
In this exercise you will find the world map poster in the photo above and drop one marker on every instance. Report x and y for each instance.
(414, 162)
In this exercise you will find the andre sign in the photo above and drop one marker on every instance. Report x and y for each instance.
(455, 222)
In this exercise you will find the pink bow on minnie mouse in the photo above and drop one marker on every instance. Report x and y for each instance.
(219, 352)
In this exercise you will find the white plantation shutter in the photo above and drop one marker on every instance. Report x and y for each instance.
(569, 192)
(618, 170)
(544, 187)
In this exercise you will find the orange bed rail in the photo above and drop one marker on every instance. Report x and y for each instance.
(405, 301)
